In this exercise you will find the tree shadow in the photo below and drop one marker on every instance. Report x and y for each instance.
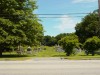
(84, 55)
(89, 54)
(59, 56)
(13, 56)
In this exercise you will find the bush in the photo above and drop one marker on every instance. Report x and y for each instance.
(69, 43)
(91, 45)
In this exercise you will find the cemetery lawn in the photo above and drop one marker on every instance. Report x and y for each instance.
(13, 57)
(84, 57)
(48, 52)
(51, 52)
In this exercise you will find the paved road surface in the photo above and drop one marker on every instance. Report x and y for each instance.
(50, 67)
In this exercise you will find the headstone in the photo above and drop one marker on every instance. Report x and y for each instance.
(29, 50)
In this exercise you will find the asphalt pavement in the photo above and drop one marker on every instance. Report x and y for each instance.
(50, 66)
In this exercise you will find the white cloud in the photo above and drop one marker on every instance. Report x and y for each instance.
(85, 1)
(66, 24)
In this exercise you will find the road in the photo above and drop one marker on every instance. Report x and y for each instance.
(50, 67)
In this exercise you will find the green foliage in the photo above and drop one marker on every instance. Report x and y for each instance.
(92, 44)
(89, 27)
(49, 41)
(18, 24)
(60, 36)
(68, 43)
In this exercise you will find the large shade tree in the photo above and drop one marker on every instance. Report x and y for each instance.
(18, 24)
(89, 27)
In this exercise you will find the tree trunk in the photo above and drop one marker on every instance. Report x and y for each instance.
(67, 54)
(93, 53)
(0, 52)
(87, 52)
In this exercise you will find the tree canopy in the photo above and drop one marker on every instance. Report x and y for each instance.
(18, 23)
(89, 27)
(49, 40)
(60, 36)
(91, 45)
(68, 43)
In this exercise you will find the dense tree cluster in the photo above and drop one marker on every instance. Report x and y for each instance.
(49, 40)
(89, 27)
(60, 36)
(86, 30)
(18, 24)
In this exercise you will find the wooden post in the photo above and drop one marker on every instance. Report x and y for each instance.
(99, 7)
(99, 15)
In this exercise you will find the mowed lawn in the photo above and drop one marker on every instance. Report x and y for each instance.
(51, 52)
(48, 52)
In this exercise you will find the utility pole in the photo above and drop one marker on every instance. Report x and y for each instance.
(99, 7)
(99, 17)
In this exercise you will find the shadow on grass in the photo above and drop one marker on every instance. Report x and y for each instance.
(85, 55)
(89, 55)
(13, 56)
(59, 56)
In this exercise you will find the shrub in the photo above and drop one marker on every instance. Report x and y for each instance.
(91, 45)
(68, 43)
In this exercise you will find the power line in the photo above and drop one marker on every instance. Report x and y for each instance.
(65, 14)
(99, 8)
(45, 17)
(54, 14)
(59, 17)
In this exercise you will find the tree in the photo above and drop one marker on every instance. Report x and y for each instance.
(18, 24)
(89, 27)
(59, 36)
(91, 45)
(49, 40)
(69, 43)
(62, 35)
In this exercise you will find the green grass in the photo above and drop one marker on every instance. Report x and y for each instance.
(96, 57)
(14, 56)
(83, 56)
(49, 52)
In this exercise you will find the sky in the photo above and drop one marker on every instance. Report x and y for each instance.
(55, 26)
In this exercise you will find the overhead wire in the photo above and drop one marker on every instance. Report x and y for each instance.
(64, 14)
(56, 15)
(61, 15)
